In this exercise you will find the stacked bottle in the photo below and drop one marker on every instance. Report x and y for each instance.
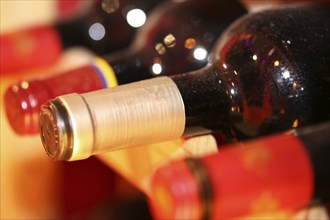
(95, 29)
(257, 83)
(265, 175)
(177, 37)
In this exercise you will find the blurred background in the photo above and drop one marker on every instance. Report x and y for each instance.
(32, 185)
(35, 187)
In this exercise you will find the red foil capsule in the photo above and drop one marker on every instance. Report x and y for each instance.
(22, 48)
(23, 99)
(263, 176)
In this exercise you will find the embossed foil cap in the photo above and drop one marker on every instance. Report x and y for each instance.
(53, 129)
(66, 132)
(76, 126)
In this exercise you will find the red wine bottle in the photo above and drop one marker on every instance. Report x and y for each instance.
(263, 78)
(166, 44)
(96, 30)
(260, 176)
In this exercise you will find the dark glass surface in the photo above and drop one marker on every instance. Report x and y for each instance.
(270, 72)
(317, 141)
(116, 31)
(175, 39)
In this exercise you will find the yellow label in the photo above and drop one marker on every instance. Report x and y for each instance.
(107, 71)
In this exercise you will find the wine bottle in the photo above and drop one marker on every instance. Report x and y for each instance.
(264, 175)
(174, 32)
(263, 78)
(96, 30)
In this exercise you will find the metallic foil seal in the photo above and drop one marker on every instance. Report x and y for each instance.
(55, 131)
(76, 126)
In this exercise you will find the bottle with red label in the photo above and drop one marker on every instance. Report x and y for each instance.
(177, 37)
(282, 172)
(96, 29)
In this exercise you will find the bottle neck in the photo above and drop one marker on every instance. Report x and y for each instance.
(205, 100)
(100, 32)
(128, 66)
(72, 32)
(104, 32)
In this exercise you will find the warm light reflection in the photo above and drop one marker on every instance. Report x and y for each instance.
(164, 199)
(96, 31)
(14, 88)
(254, 57)
(169, 40)
(295, 123)
(160, 48)
(136, 17)
(27, 120)
(157, 68)
(110, 6)
(294, 84)
(190, 43)
(200, 53)
(25, 85)
(224, 66)
(276, 63)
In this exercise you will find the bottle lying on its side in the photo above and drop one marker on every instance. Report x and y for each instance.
(177, 37)
(264, 78)
(281, 172)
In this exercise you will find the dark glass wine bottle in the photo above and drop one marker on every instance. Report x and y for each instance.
(263, 78)
(269, 73)
(96, 30)
(261, 176)
(177, 37)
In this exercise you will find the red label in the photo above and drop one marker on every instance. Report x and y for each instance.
(31, 48)
(79, 80)
(67, 8)
(261, 176)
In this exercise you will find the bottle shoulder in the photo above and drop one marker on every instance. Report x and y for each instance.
(282, 26)
(266, 81)
(181, 42)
